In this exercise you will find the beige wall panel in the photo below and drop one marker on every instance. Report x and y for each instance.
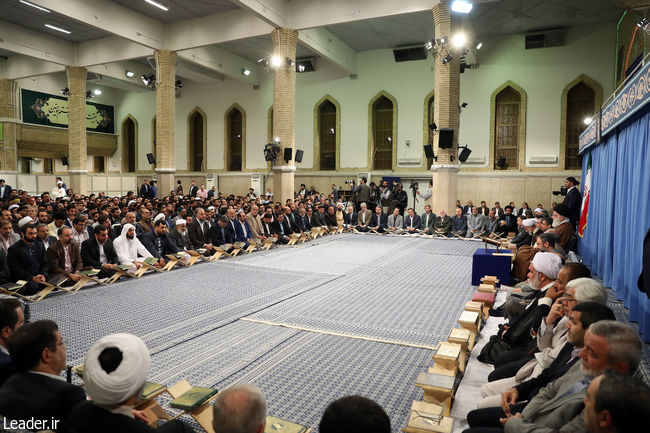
(237, 185)
(98, 183)
(513, 189)
(487, 188)
(538, 190)
(10, 179)
(114, 183)
(128, 183)
(467, 189)
(26, 182)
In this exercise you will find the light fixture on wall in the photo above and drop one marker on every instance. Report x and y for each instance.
(464, 154)
(433, 126)
(89, 94)
(448, 58)
(643, 23)
(149, 80)
(65, 91)
(246, 72)
(461, 6)
(586, 120)
(461, 106)
(129, 74)
(178, 84)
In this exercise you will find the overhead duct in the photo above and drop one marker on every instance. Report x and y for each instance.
(407, 54)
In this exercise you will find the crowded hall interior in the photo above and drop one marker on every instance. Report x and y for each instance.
(343, 216)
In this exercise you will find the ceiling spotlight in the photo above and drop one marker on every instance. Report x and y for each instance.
(276, 61)
(332, 131)
(264, 62)
(643, 23)
(441, 41)
(389, 139)
(448, 58)
(129, 74)
(586, 120)
(290, 62)
(276, 140)
(461, 6)
(246, 72)
(178, 84)
(149, 80)
(158, 5)
(459, 40)
(58, 29)
(89, 94)
(97, 92)
(35, 6)
(479, 45)
(430, 44)
(463, 105)
(65, 91)
(433, 126)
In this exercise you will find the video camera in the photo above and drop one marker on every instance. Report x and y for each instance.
(414, 186)
(350, 181)
(562, 191)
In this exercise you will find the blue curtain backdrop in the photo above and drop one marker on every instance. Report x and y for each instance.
(619, 213)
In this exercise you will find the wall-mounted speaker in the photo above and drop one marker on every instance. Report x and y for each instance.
(299, 154)
(150, 158)
(287, 153)
(428, 150)
(64, 160)
(446, 138)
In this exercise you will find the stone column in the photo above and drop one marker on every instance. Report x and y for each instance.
(8, 160)
(284, 112)
(446, 113)
(165, 116)
(77, 148)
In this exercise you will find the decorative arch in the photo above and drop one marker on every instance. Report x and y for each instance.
(598, 97)
(129, 144)
(427, 134)
(196, 139)
(371, 130)
(317, 132)
(522, 122)
(230, 142)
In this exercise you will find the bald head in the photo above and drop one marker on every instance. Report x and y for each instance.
(240, 409)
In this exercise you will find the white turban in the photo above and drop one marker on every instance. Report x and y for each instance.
(529, 222)
(548, 264)
(129, 376)
(538, 210)
(210, 207)
(180, 221)
(131, 202)
(24, 221)
(159, 217)
(13, 206)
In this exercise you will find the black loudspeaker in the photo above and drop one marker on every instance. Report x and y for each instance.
(446, 138)
(64, 160)
(299, 154)
(464, 154)
(428, 150)
(287, 153)
(150, 158)
(501, 163)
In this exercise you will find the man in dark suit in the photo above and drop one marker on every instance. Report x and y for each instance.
(302, 220)
(508, 223)
(266, 226)
(26, 260)
(315, 219)
(36, 390)
(144, 189)
(498, 210)
(427, 220)
(242, 229)
(158, 243)
(199, 231)
(63, 257)
(219, 233)
(11, 318)
(5, 190)
(350, 218)
(378, 221)
(363, 192)
(179, 235)
(412, 221)
(467, 209)
(280, 227)
(442, 224)
(98, 253)
(43, 235)
(193, 190)
(573, 199)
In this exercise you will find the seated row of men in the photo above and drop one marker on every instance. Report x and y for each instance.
(559, 346)
(32, 390)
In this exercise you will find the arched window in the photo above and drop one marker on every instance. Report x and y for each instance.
(327, 134)
(383, 133)
(579, 105)
(234, 140)
(196, 142)
(129, 137)
(429, 132)
(507, 129)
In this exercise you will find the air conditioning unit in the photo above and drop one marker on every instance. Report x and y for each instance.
(475, 160)
(545, 39)
(256, 183)
(542, 159)
(210, 181)
(410, 161)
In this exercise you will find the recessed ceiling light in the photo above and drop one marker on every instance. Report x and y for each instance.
(461, 6)
(35, 6)
(129, 74)
(158, 5)
(586, 120)
(479, 45)
(459, 40)
(58, 29)
(97, 92)
(246, 72)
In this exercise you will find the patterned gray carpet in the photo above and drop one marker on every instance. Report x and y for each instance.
(346, 314)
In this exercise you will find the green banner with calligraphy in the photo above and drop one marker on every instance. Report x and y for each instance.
(52, 110)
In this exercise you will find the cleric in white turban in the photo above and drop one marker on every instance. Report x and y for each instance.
(115, 370)
(128, 247)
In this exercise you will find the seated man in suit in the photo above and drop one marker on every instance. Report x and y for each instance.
(442, 225)
(507, 223)
(116, 368)
(255, 222)
(476, 223)
(180, 236)
(239, 402)
(395, 222)
(145, 224)
(379, 220)
(26, 260)
(12, 317)
(98, 253)
(316, 219)
(412, 221)
(363, 219)
(350, 217)
(459, 223)
(36, 390)
(280, 227)
(243, 231)
(63, 257)
(158, 243)
(266, 226)
(219, 233)
(330, 217)
(199, 231)
(427, 220)
(43, 235)
(302, 220)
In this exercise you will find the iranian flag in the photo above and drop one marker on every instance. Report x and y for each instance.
(586, 195)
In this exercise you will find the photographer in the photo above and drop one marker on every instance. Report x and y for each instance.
(400, 199)
(362, 191)
(384, 193)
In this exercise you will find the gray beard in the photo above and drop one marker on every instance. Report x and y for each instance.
(182, 233)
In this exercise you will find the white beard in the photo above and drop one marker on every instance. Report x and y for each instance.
(535, 283)
(182, 233)
(556, 222)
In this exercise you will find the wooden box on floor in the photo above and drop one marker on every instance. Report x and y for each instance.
(470, 320)
(486, 288)
(438, 389)
(476, 307)
(446, 359)
(427, 418)
(460, 336)
(486, 300)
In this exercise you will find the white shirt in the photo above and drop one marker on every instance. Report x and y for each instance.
(102, 256)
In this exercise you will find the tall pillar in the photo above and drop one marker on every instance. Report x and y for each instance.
(284, 112)
(77, 148)
(8, 137)
(165, 116)
(446, 113)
